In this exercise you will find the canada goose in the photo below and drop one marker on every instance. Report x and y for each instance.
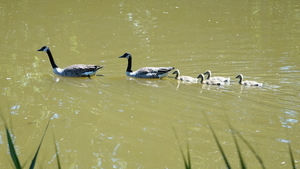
(222, 79)
(248, 83)
(78, 70)
(184, 78)
(145, 72)
(209, 82)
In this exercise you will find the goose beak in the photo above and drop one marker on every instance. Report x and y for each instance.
(44, 49)
(126, 55)
(123, 56)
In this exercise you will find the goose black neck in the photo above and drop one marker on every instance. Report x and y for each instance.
(176, 76)
(241, 79)
(208, 75)
(51, 59)
(129, 64)
(201, 79)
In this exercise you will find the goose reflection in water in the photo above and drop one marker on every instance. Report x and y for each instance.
(150, 82)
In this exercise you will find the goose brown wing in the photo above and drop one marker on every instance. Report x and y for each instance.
(159, 70)
(146, 70)
(83, 68)
(164, 69)
(80, 70)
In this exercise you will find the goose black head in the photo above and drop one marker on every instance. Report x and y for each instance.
(44, 49)
(239, 76)
(208, 71)
(126, 55)
(200, 75)
(175, 72)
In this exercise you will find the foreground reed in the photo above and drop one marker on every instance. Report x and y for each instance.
(235, 135)
(14, 156)
(186, 158)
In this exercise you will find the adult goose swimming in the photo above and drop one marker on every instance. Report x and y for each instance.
(223, 79)
(78, 70)
(184, 78)
(248, 83)
(145, 72)
(209, 82)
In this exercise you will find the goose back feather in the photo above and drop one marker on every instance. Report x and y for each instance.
(145, 72)
(78, 70)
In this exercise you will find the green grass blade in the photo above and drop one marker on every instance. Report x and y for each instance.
(187, 162)
(189, 166)
(243, 165)
(218, 143)
(252, 150)
(247, 144)
(238, 150)
(11, 146)
(12, 150)
(37, 151)
(291, 156)
(57, 155)
(220, 148)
